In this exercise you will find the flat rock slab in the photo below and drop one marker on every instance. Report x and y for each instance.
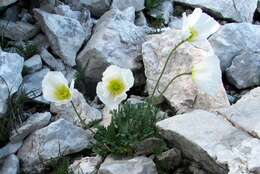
(238, 10)
(245, 114)
(213, 142)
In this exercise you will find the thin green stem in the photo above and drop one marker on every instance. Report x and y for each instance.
(174, 78)
(165, 65)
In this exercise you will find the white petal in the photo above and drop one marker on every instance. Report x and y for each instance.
(128, 78)
(111, 72)
(194, 17)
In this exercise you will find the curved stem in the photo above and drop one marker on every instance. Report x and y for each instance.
(174, 78)
(164, 67)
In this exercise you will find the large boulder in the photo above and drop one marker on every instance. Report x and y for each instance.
(66, 35)
(58, 138)
(116, 40)
(240, 11)
(212, 141)
(182, 92)
(137, 165)
(11, 66)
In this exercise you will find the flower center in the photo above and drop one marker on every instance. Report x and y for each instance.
(116, 87)
(62, 92)
(194, 34)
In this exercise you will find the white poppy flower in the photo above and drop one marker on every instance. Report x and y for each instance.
(207, 74)
(198, 25)
(115, 83)
(55, 88)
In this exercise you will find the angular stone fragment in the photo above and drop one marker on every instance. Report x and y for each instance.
(51, 61)
(10, 166)
(182, 92)
(33, 123)
(58, 138)
(137, 165)
(33, 64)
(66, 35)
(86, 165)
(212, 141)
(9, 149)
(18, 30)
(238, 10)
(124, 4)
(6, 2)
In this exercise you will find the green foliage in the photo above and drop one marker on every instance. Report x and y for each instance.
(3, 41)
(59, 165)
(151, 4)
(131, 124)
(4, 131)
(28, 50)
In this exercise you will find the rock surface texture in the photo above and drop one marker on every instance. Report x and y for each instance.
(124, 4)
(227, 142)
(238, 10)
(66, 35)
(59, 137)
(10, 165)
(11, 65)
(86, 165)
(182, 92)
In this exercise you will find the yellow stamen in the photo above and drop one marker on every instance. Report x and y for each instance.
(194, 34)
(116, 87)
(62, 92)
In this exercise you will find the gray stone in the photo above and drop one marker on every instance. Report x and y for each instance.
(182, 92)
(234, 39)
(116, 40)
(11, 14)
(10, 166)
(66, 111)
(164, 10)
(64, 10)
(11, 65)
(238, 10)
(169, 159)
(41, 41)
(6, 2)
(33, 64)
(33, 82)
(18, 30)
(66, 35)
(140, 19)
(244, 71)
(245, 113)
(258, 6)
(33, 123)
(175, 23)
(96, 7)
(124, 4)
(137, 165)
(51, 61)
(149, 146)
(210, 140)
(9, 149)
(86, 165)
(58, 138)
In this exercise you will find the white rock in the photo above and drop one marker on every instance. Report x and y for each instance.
(66, 35)
(51, 61)
(11, 65)
(33, 123)
(183, 91)
(86, 165)
(137, 165)
(124, 4)
(10, 166)
(58, 138)
(9, 149)
(164, 11)
(213, 142)
(116, 40)
(33, 64)
(66, 111)
(233, 40)
(18, 30)
(6, 2)
(96, 7)
(246, 112)
(238, 10)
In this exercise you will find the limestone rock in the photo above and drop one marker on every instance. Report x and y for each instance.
(6, 2)
(212, 141)
(66, 35)
(169, 159)
(238, 10)
(124, 4)
(18, 30)
(138, 165)
(235, 39)
(33, 123)
(51, 61)
(97, 7)
(11, 65)
(164, 11)
(33, 64)
(182, 92)
(10, 166)
(59, 137)
(86, 165)
(9, 149)
(66, 111)
(116, 40)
